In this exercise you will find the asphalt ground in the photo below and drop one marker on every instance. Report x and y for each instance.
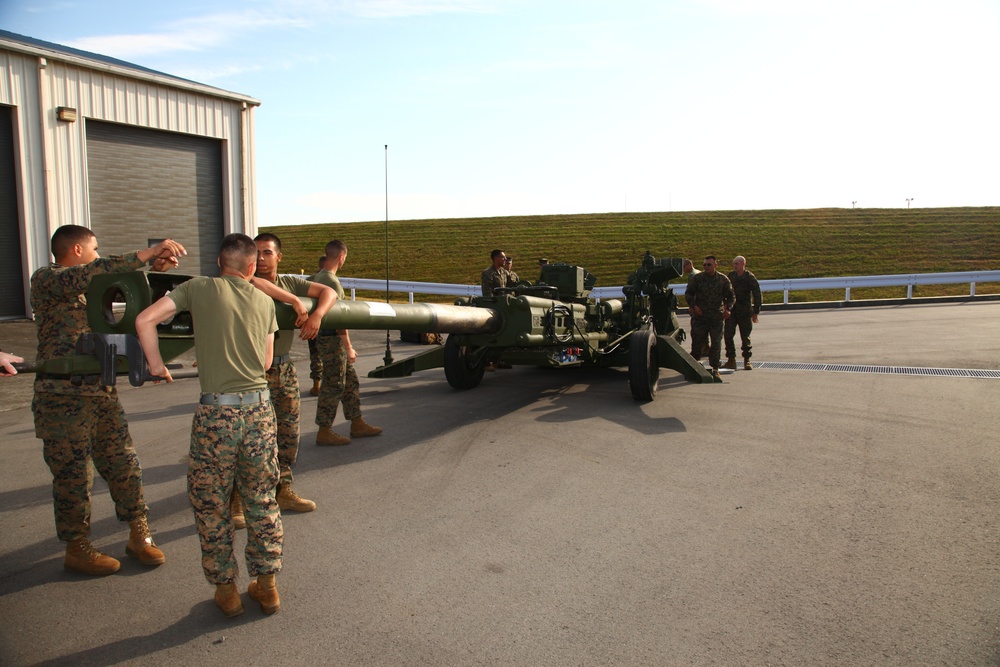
(545, 518)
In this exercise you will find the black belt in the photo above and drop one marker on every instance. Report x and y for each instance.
(280, 359)
(243, 398)
(328, 332)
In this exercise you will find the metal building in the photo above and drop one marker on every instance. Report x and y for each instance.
(134, 154)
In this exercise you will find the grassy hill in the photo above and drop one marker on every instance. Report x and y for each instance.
(776, 243)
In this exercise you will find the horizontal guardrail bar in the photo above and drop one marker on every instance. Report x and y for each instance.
(786, 285)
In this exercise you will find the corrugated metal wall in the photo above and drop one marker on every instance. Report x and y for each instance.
(147, 185)
(50, 156)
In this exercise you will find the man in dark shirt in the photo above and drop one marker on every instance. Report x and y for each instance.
(709, 297)
(745, 312)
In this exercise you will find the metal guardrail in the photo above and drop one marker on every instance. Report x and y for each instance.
(909, 280)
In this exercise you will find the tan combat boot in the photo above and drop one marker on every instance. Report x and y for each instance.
(747, 366)
(236, 509)
(227, 599)
(360, 429)
(315, 388)
(327, 438)
(265, 591)
(730, 363)
(288, 500)
(82, 557)
(140, 543)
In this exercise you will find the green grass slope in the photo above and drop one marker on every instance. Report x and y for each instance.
(776, 243)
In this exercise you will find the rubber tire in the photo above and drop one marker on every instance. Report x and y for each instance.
(643, 366)
(457, 371)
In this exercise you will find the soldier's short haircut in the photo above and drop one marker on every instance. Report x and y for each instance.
(267, 236)
(335, 248)
(237, 251)
(496, 253)
(68, 236)
(711, 257)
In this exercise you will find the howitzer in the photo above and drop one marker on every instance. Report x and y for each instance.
(553, 322)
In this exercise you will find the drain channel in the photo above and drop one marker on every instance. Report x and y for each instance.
(883, 370)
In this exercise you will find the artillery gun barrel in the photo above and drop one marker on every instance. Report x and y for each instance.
(429, 317)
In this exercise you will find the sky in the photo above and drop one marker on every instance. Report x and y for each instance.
(529, 107)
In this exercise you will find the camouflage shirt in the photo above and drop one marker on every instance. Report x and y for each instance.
(59, 303)
(493, 277)
(710, 293)
(747, 291)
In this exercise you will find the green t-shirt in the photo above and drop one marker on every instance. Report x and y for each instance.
(299, 287)
(232, 319)
(329, 279)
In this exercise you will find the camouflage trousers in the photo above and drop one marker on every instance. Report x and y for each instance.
(340, 383)
(76, 430)
(315, 364)
(703, 330)
(745, 325)
(234, 446)
(286, 398)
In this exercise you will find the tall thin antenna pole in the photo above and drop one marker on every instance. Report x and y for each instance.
(388, 346)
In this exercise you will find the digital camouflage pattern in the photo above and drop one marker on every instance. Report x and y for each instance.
(748, 300)
(59, 304)
(315, 363)
(235, 446)
(80, 422)
(747, 291)
(286, 398)
(492, 278)
(75, 430)
(710, 293)
(339, 382)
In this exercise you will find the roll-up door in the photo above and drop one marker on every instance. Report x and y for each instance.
(12, 294)
(146, 185)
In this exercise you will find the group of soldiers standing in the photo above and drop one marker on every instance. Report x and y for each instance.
(718, 305)
(245, 432)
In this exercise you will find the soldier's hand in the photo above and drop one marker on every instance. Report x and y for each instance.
(168, 248)
(352, 354)
(696, 309)
(164, 263)
(754, 318)
(310, 329)
(301, 314)
(725, 313)
(159, 373)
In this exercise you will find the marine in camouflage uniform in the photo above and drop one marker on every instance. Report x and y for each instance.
(495, 275)
(339, 384)
(79, 419)
(233, 434)
(282, 378)
(745, 312)
(709, 297)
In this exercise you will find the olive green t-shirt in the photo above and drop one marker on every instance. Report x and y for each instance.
(329, 279)
(299, 287)
(232, 319)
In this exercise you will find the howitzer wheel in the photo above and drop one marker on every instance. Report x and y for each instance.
(643, 366)
(457, 370)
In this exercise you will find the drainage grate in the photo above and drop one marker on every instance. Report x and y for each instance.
(885, 370)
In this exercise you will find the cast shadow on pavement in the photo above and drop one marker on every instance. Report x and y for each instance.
(203, 621)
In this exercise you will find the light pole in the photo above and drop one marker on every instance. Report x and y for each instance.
(853, 203)
(388, 346)
(908, 200)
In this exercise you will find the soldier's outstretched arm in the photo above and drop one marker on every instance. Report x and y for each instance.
(145, 329)
(325, 298)
(284, 296)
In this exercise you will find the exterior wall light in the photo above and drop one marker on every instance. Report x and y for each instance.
(67, 114)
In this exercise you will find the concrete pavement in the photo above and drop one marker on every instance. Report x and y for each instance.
(785, 517)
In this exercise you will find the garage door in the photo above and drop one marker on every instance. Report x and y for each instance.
(12, 294)
(147, 185)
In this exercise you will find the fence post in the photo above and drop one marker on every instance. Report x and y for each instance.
(909, 291)
(972, 289)
(847, 294)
